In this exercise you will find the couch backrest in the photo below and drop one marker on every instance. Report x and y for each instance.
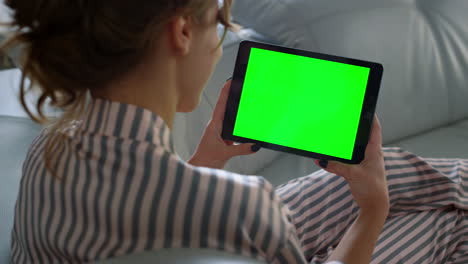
(423, 45)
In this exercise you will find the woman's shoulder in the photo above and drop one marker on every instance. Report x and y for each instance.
(36, 147)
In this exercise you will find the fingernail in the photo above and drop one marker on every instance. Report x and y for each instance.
(323, 164)
(230, 78)
(255, 148)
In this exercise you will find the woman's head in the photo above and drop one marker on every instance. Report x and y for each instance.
(75, 46)
(72, 47)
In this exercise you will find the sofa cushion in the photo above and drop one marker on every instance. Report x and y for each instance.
(450, 141)
(423, 45)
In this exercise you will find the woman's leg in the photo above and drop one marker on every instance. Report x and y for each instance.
(427, 196)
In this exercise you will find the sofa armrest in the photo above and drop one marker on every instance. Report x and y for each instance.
(183, 256)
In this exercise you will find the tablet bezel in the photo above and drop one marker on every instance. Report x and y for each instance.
(367, 112)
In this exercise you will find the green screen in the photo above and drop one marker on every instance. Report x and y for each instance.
(301, 102)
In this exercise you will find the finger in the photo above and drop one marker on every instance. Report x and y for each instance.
(334, 167)
(242, 149)
(220, 108)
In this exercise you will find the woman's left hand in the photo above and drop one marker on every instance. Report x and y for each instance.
(213, 151)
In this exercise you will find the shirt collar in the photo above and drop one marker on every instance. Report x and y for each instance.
(120, 120)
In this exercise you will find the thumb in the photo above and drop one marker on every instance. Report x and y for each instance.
(241, 149)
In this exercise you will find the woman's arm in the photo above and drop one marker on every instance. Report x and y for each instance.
(213, 151)
(368, 185)
(358, 243)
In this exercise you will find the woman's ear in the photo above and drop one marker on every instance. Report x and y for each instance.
(181, 34)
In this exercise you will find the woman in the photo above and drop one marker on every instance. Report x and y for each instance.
(104, 179)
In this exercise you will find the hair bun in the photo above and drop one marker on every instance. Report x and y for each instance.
(24, 12)
(45, 16)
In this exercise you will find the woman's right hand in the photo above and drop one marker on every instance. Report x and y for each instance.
(367, 180)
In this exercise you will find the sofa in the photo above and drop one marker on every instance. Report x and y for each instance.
(423, 104)
(423, 46)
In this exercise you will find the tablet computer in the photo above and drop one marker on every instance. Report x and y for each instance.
(301, 102)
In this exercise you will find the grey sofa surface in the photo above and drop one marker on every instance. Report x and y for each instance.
(449, 141)
(189, 256)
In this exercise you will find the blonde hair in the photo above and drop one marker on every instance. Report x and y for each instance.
(71, 47)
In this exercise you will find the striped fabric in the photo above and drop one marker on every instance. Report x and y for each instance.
(124, 190)
(428, 221)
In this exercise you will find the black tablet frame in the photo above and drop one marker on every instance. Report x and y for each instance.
(367, 112)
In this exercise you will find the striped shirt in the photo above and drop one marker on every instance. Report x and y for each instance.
(122, 189)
